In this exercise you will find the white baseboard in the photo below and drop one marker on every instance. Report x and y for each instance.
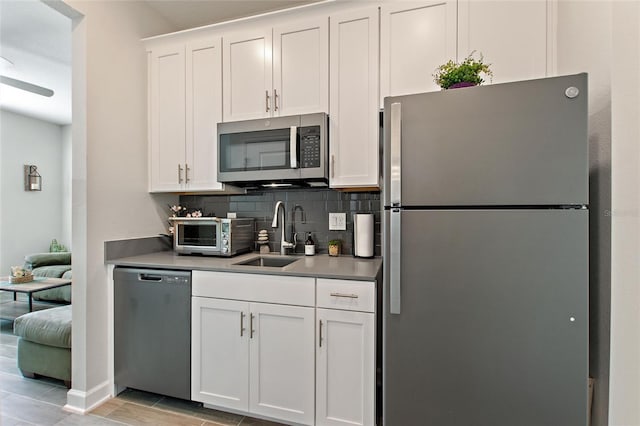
(81, 402)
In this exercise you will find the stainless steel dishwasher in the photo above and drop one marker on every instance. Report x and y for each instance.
(152, 330)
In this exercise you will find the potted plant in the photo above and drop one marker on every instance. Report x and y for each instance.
(334, 248)
(452, 75)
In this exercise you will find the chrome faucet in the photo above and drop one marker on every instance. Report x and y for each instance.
(284, 244)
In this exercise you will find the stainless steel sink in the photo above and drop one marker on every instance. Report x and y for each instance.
(273, 262)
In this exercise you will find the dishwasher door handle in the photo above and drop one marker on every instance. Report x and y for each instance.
(149, 277)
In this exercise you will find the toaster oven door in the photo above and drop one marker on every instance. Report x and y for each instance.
(197, 237)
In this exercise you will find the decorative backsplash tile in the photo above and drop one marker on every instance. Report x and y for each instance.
(307, 210)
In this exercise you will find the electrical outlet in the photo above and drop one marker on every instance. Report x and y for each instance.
(337, 221)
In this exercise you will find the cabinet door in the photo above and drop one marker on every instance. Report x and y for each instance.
(511, 35)
(220, 352)
(301, 68)
(167, 118)
(416, 37)
(282, 362)
(345, 368)
(203, 112)
(353, 119)
(247, 76)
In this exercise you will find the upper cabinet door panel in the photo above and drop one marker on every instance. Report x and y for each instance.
(247, 76)
(416, 37)
(301, 67)
(167, 118)
(204, 111)
(353, 123)
(511, 35)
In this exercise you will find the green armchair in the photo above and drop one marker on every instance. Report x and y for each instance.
(51, 265)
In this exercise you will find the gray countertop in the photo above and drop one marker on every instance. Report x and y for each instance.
(320, 266)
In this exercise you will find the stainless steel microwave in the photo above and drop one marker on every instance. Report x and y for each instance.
(271, 152)
(212, 236)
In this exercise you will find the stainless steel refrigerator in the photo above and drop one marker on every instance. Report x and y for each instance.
(486, 256)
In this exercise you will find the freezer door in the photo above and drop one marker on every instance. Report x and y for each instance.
(522, 143)
(492, 328)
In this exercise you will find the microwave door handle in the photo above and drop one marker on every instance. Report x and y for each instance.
(293, 146)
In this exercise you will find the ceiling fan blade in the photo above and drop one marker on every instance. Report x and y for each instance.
(23, 85)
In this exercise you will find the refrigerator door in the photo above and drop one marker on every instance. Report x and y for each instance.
(493, 320)
(521, 143)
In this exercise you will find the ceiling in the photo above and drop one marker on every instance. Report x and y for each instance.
(184, 14)
(37, 39)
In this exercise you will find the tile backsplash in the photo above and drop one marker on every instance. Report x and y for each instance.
(307, 210)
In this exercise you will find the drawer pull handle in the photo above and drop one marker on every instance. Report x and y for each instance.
(251, 330)
(320, 335)
(350, 296)
(241, 324)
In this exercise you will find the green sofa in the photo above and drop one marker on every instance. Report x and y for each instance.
(52, 265)
(44, 343)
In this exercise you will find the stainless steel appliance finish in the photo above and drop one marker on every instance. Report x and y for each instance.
(152, 330)
(274, 151)
(486, 256)
(212, 236)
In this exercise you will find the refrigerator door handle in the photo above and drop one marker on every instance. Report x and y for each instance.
(293, 146)
(396, 155)
(394, 261)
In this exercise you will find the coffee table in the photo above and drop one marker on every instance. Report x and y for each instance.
(38, 284)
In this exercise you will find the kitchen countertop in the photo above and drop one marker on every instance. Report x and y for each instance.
(319, 266)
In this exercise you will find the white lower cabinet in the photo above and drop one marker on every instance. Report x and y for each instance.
(220, 352)
(345, 353)
(345, 368)
(281, 362)
(249, 356)
(298, 350)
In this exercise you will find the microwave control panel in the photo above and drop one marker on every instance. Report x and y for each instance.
(310, 147)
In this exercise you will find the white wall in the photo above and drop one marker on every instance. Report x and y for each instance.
(66, 185)
(625, 286)
(584, 45)
(110, 199)
(30, 219)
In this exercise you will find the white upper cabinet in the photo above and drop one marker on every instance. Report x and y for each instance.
(416, 37)
(300, 67)
(353, 113)
(279, 71)
(203, 112)
(167, 118)
(185, 102)
(247, 75)
(513, 36)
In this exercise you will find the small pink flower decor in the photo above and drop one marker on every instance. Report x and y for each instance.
(180, 211)
(452, 75)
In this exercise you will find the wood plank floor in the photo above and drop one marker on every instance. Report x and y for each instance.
(39, 401)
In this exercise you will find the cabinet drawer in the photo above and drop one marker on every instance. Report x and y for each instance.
(345, 294)
(253, 287)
